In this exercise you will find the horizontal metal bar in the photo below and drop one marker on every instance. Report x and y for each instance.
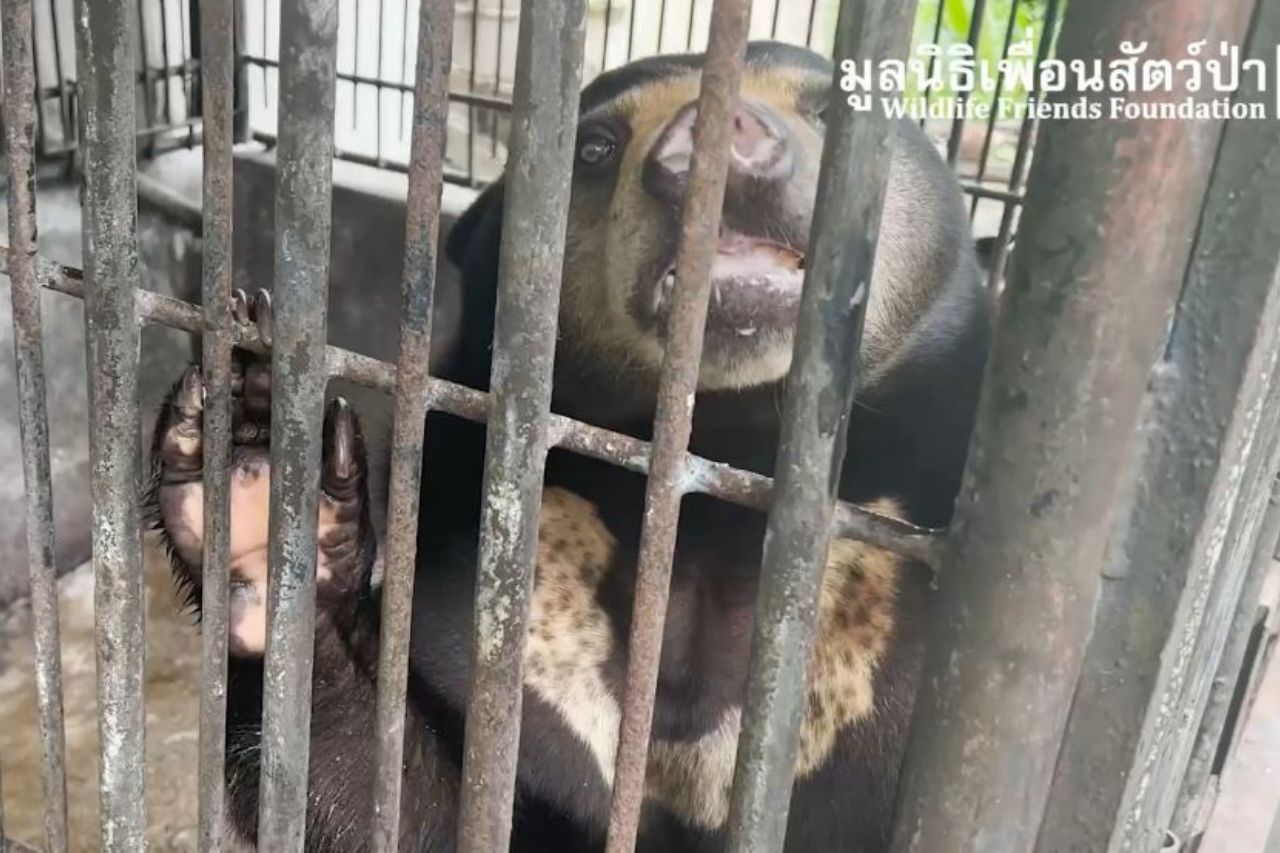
(105, 54)
(469, 98)
(543, 132)
(673, 420)
(703, 476)
(217, 31)
(820, 391)
(983, 191)
(304, 199)
(33, 414)
(412, 397)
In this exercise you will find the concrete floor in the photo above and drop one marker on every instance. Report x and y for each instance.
(172, 691)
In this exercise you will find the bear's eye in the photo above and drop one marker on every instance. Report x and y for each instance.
(596, 149)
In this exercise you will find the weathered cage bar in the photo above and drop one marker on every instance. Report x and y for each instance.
(543, 134)
(1078, 333)
(1238, 675)
(105, 55)
(1201, 422)
(673, 420)
(217, 53)
(851, 188)
(422, 220)
(308, 47)
(33, 414)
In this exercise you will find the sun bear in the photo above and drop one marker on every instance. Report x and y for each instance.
(923, 350)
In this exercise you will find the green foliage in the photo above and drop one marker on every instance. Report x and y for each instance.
(949, 22)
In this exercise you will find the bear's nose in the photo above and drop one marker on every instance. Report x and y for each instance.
(759, 150)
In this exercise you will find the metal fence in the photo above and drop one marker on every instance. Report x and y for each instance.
(167, 69)
(1094, 591)
(377, 46)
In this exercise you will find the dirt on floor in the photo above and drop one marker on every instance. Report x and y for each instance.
(172, 691)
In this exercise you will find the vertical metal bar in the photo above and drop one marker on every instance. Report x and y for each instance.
(1208, 749)
(937, 32)
(544, 128)
(662, 22)
(985, 154)
(1021, 158)
(404, 60)
(148, 80)
(165, 77)
(240, 103)
(604, 41)
(471, 90)
(65, 113)
(808, 30)
(631, 32)
(308, 58)
(677, 385)
(497, 65)
(1170, 534)
(1053, 447)
(106, 52)
(33, 415)
(377, 91)
(184, 46)
(975, 33)
(422, 216)
(355, 63)
(820, 390)
(217, 35)
(688, 33)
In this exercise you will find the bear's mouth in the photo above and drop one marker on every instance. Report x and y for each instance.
(755, 286)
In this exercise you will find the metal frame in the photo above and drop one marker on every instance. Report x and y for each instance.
(1050, 503)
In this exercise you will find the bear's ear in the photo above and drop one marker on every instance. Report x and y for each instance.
(479, 227)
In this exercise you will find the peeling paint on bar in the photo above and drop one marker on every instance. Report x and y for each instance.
(820, 392)
(543, 133)
(105, 55)
(677, 387)
(308, 50)
(1056, 462)
(1164, 575)
(33, 415)
(412, 390)
(217, 26)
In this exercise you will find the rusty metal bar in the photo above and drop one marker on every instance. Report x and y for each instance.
(33, 414)
(745, 488)
(677, 387)
(217, 35)
(1080, 332)
(308, 52)
(105, 52)
(543, 132)
(820, 390)
(422, 219)
(1201, 417)
(1235, 674)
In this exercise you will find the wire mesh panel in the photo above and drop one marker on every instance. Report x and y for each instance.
(166, 74)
